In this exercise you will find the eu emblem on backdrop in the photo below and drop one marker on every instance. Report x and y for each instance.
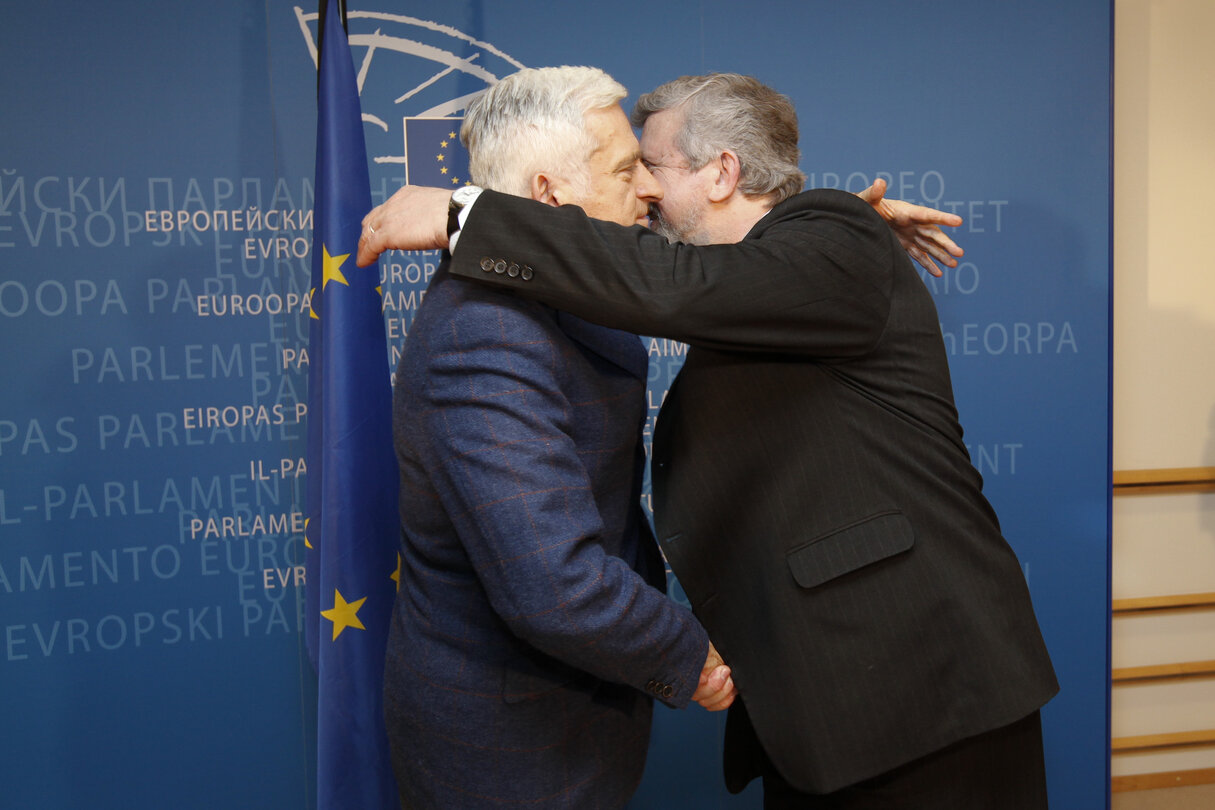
(352, 525)
(434, 155)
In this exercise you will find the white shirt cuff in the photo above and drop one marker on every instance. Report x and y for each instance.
(461, 218)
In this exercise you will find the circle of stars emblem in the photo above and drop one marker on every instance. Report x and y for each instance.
(442, 156)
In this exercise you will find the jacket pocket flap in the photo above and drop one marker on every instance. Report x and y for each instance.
(850, 548)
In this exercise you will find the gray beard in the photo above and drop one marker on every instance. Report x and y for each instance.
(664, 229)
(686, 232)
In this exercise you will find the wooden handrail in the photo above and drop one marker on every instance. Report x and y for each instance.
(1156, 742)
(1163, 779)
(1172, 602)
(1160, 672)
(1173, 479)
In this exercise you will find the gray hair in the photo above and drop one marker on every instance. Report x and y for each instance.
(728, 111)
(535, 121)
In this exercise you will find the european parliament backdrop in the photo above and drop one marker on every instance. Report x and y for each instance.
(156, 192)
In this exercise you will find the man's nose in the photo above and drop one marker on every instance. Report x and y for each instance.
(648, 187)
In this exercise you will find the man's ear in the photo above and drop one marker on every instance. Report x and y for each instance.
(547, 189)
(728, 172)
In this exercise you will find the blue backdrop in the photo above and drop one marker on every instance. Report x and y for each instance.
(156, 168)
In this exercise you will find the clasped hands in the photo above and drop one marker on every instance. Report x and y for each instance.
(716, 688)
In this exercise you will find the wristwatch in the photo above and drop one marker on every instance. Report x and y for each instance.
(461, 197)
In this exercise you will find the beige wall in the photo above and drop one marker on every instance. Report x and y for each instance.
(1164, 356)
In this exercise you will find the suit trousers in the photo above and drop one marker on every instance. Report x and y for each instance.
(1002, 769)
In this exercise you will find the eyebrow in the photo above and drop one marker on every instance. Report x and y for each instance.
(628, 161)
(655, 164)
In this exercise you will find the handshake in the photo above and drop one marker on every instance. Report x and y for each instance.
(716, 688)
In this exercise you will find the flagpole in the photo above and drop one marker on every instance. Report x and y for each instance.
(321, 13)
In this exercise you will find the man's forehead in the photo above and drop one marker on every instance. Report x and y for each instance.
(617, 152)
(615, 141)
(658, 146)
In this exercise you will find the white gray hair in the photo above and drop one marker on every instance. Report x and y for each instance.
(535, 121)
(728, 111)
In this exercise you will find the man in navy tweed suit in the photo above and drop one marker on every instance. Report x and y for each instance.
(531, 631)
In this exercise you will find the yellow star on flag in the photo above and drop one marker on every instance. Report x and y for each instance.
(332, 268)
(396, 575)
(343, 614)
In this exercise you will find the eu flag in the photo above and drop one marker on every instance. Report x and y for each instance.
(352, 524)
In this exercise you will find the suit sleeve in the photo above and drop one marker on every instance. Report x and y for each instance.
(813, 278)
(509, 473)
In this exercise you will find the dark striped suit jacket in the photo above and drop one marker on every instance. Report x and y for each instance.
(812, 490)
(530, 628)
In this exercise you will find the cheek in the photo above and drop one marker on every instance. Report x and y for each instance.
(670, 206)
(627, 197)
(680, 192)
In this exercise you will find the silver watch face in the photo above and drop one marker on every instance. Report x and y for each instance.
(464, 195)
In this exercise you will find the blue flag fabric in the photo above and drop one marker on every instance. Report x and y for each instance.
(352, 524)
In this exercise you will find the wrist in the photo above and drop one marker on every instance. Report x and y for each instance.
(458, 206)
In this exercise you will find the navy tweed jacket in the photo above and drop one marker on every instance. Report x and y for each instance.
(531, 627)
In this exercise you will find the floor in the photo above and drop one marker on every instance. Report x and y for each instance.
(1194, 797)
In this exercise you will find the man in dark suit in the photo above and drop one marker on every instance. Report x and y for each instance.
(531, 630)
(812, 489)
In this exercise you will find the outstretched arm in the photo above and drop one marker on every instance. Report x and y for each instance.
(415, 218)
(917, 227)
